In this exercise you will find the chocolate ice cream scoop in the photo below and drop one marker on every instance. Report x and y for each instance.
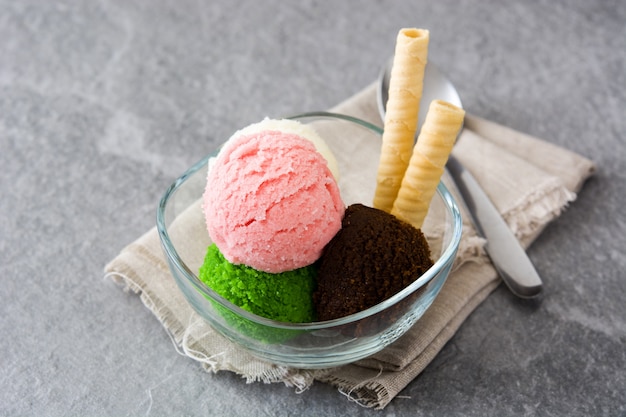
(374, 256)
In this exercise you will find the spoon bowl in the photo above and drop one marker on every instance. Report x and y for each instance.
(436, 87)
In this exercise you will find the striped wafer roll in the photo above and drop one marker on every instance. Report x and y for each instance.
(405, 92)
(430, 154)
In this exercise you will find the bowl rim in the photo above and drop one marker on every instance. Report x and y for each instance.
(174, 258)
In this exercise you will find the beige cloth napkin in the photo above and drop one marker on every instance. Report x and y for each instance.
(529, 180)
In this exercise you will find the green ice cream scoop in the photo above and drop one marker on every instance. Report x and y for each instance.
(286, 296)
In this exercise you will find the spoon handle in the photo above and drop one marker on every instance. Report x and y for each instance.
(506, 253)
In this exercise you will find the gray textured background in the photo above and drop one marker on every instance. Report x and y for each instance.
(104, 103)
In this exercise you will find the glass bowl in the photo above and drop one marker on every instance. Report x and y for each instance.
(356, 145)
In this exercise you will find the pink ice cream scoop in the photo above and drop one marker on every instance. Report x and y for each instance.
(271, 201)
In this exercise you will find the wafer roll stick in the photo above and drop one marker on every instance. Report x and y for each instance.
(430, 154)
(405, 92)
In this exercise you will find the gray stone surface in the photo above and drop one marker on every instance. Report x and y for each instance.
(103, 104)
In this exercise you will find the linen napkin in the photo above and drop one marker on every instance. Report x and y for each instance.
(530, 182)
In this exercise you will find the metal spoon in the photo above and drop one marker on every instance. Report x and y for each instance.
(506, 253)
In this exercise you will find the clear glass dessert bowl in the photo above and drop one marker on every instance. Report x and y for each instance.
(356, 145)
